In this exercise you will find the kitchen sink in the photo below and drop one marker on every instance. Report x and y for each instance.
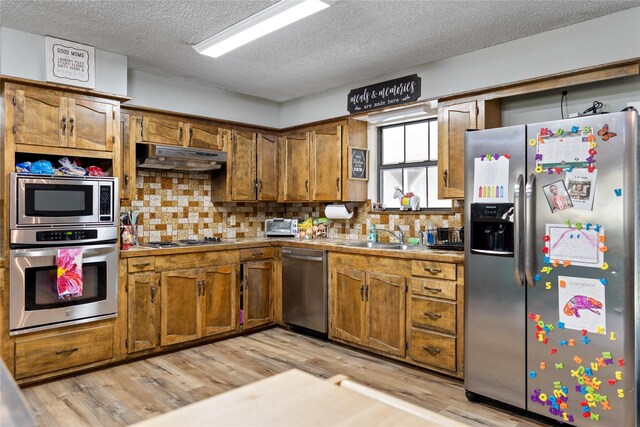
(377, 245)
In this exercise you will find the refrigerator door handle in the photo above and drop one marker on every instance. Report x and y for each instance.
(529, 228)
(517, 229)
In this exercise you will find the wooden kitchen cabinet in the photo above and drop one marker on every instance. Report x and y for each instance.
(198, 303)
(257, 284)
(314, 163)
(219, 308)
(206, 136)
(436, 323)
(180, 307)
(367, 303)
(243, 166)
(162, 130)
(51, 118)
(267, 169)
(453, 121)
(143, 310)
(295, 158)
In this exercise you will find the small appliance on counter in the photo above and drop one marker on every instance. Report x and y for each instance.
(280, 227)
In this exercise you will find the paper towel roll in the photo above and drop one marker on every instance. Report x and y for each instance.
(337, 212)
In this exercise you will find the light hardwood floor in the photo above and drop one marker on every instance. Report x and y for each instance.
(129, 393)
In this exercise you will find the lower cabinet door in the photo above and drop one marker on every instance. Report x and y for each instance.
(63, 350)
(219, 308)
(258, 286)
(347, 305)
(143, 300)
(385, 302)
(180, 304)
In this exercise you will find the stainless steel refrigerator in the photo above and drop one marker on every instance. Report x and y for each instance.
(552, 311)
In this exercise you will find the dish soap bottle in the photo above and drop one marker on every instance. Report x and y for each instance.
(372, 233)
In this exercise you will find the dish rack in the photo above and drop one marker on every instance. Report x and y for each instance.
(445, 238)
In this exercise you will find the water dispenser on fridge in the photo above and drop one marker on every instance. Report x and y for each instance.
(492, 229)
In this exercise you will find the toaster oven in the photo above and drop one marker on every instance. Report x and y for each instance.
(280, 227)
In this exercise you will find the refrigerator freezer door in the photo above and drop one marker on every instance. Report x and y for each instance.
(494, 359)
(583, 359)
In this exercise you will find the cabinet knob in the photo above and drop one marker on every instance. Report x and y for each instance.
(71, 122)
(445, 176)
(306, 185)
(180, 137)
(199, 286)
(153, 293)
(64, 124)
(338, 184)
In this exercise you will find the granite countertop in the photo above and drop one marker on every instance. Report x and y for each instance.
(334, 245)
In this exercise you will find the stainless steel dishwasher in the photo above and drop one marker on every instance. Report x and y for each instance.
(304, 289)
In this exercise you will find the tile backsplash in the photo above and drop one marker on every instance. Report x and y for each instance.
(177, 205)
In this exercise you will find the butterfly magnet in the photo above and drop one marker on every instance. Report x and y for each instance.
(605, 134)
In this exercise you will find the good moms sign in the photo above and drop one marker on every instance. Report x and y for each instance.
(70, 63)
(392, 92)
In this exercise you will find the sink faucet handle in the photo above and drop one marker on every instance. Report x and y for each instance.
(421, 238)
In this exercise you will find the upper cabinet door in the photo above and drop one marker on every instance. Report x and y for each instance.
(267, 167)
(205, 136)
(40, 118)
(326, 164)
(163, 131)
(91, 124)
(295, 168)
(243, 158)
(453, 121)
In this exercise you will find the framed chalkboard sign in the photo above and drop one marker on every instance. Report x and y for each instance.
(358, 163)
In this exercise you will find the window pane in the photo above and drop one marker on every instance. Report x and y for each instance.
(434, 202)
(433, 138)
(390, 179)
(417, 142)
(393, 145)
(416, 182)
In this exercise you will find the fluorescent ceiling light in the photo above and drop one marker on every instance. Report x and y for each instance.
(262, 23)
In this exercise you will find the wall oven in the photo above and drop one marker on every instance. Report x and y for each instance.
(34, 300)
(51, 218)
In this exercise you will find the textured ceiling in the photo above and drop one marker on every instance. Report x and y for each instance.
(349, 42)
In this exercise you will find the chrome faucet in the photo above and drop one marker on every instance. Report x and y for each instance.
(399, 236)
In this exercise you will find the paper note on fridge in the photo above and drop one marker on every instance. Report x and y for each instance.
(491, 180)
(581, 185)
(578, 246)
(563, 152)
(582, 304)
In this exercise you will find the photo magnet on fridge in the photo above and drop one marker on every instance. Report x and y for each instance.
(581, 186)
(557, 196)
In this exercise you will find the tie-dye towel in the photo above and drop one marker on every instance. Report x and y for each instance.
(69, 273)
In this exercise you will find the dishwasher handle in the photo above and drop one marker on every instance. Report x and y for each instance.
(302, 257)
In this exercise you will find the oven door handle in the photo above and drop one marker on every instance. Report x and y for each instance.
(87, 252)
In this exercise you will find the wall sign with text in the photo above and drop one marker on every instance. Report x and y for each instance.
(358, 158)
(385, 94)
(70, 63)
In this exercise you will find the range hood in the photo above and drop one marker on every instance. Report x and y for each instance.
(166, 157)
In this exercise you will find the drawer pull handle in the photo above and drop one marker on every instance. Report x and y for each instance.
(142, 264)
(432, 350)
(257, 253)
(74, 349)
(432, 315)
(432, 290)
(433, 270)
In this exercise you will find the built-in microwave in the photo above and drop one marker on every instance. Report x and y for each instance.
(44, 201)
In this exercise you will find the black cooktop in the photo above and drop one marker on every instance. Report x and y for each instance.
(184, 242)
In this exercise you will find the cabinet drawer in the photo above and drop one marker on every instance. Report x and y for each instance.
(434, 288)
(434, 269)
(65, 350)
(433, 349)
(146, 263)
(440, 315)
(256, 253)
